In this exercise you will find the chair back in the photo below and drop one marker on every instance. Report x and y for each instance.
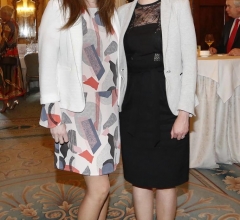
(31, 61)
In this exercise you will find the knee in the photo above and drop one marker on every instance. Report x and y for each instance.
(100, 192)
(104, 189)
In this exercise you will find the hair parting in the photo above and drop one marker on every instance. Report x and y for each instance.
(76, 7)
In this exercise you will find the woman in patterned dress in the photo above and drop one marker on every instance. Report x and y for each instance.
(11, 80)
(78, 52)
(160, 75)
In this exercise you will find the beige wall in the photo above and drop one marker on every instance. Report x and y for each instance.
(5, 2)
(120, 2)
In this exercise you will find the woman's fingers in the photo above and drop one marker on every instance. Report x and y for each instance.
(180, 126)
(59, 134)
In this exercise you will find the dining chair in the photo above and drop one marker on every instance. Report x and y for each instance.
(32, 73)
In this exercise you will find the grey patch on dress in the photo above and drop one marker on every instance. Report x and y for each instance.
(116, 135)
(108, 167)
(61, 163)
(114, 71)
(98, 19)
(90, 38)
(65, 119)
(104, 155)
(85, 96)
(105, 94)
(84, 26)
(70, 163)
(89, 112)
(111, 120)
(108, 81)
(111, 48)
(56, 145)
(86, 171)
(72, 140)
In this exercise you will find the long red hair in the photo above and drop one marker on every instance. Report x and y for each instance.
(77, 7)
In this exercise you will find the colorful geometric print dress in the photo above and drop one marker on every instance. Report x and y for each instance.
(94, 143)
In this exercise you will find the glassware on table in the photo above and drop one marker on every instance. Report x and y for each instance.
(209, 39)
(198, 49)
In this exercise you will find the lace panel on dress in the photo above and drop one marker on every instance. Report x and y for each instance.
(146, 14)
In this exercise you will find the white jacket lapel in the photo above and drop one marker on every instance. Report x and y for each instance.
(127, 19)
(165, 19)
(116, 25)
(77, 41)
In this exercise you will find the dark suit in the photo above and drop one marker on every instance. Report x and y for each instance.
(222, 48)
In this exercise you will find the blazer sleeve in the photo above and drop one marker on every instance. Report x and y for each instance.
(49, 37)
(188, 98)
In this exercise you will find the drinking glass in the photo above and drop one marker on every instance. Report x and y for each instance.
(209, 39)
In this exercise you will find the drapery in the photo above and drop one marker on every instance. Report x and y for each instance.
(214, 136)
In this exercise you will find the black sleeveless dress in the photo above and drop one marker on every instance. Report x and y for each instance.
(150, 157)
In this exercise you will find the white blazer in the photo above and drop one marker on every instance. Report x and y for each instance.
(179, 53)
(60, 59)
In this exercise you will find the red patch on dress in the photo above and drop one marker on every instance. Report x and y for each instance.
(53, 120)
(71, 168)
(114, 97)
(85, 154)
(92, 82)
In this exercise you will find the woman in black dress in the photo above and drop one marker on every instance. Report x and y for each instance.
(154, 134)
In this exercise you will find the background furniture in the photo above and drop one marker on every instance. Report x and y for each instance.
(209, 18)
(214, 136)
(32, 66)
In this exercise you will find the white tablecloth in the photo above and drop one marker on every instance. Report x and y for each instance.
(214, 136)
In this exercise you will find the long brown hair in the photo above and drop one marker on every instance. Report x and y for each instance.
(77, 7)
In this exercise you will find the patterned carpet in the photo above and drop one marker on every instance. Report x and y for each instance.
(30, 187)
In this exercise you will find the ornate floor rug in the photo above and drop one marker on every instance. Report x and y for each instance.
(30, 187)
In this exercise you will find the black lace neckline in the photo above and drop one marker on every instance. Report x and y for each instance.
(147, 5)
(146, 14)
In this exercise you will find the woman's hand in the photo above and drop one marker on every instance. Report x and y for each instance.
(59, 133)
(181, 125)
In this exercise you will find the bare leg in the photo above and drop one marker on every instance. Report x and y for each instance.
(166, 203)
(104, 210)
(95, 199)
(143, 203)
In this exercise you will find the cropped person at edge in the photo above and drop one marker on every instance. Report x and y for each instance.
(231, 47)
